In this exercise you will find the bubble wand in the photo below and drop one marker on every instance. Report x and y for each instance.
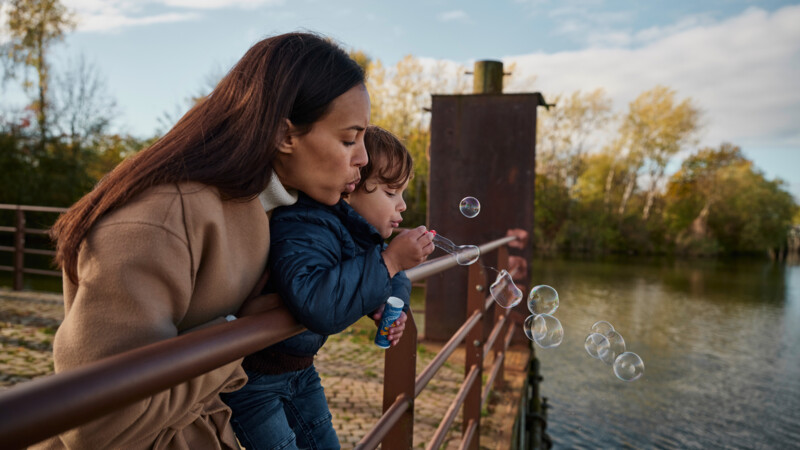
(504, 291)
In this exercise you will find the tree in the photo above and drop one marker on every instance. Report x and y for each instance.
(82, 109)
(718, 201)
(655, 128)
(34, 26)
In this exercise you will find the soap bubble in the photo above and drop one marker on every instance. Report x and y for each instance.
(596, 343)
(547, 331)
(504, 291)
(602, 327)
(526, 327)
(628, 366)
(543, 300)
(616, 346)
(467, 254)
(470, 207)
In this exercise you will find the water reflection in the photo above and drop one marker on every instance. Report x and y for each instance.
(720, 341)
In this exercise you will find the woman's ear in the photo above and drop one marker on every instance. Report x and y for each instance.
(288, 141)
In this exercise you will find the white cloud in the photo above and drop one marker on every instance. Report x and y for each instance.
(113, 15)
(743, 73)
(457, 15)
(220, 4)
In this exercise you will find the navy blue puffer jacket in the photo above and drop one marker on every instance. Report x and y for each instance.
(326, 264)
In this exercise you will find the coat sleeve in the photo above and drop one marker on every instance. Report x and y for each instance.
(401, 288)
(135, 286)
(325, 293)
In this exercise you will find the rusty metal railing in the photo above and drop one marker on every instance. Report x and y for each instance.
(395, 429)
(18, 249)
(41, 408)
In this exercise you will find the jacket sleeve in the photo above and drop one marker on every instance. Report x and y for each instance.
(323, 292)
(401, 288)
(135, 286)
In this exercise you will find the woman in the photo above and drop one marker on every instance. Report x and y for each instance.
(177, 236)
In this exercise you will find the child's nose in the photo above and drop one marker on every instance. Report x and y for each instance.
(402, 206)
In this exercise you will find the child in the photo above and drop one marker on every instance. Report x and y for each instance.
(331, 267)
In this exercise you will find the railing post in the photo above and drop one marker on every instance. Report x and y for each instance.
(499, 344)
(473, 347)
(399, 375)
(19, 249)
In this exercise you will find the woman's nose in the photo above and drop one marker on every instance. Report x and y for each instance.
(360, 158)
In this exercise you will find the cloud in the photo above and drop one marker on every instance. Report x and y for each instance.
(742, 72)
(221, 4)
(113, 15)
(457, 15)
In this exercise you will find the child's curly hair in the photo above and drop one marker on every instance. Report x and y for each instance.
(389, 159)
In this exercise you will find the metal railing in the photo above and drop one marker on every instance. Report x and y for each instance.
(18, 248)
(41, 408)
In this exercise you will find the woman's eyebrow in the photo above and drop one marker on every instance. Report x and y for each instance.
(354, 127)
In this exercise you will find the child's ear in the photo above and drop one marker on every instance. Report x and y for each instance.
(288, 141)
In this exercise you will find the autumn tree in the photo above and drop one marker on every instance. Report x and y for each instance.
(718, 201)
(655, 128)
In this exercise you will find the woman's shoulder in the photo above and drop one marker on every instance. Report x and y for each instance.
(173, 206)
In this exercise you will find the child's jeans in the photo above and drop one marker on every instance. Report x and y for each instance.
(283, 411)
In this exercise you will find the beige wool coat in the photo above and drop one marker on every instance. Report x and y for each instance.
(174, 258)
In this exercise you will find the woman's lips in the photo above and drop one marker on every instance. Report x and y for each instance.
(351, 186)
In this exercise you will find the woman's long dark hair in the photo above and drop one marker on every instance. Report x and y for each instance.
(230, 138)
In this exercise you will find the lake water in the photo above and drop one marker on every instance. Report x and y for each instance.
(720, 342)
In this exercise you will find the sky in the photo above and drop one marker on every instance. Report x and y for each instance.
(737, 60)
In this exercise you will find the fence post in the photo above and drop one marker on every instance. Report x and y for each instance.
(399, 376)
(499, 344)
(473, 348)
(19, 249)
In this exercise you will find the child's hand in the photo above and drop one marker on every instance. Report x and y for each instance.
(396, 330)
(408, 249)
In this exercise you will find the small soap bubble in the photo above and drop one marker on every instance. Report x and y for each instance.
(467, 254)
(543, 300)
(470, 207)
(616, 346)
(547, 331)
(628, 366)
(596, 343)
(504, 291)
(602, 327)
(526, 327)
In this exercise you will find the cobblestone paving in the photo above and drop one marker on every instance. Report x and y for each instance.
(350, 366)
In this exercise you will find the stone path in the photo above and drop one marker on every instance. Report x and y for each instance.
(350, 366)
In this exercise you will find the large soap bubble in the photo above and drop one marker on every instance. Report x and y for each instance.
(547, 331)
(470, 207)
(543, 300)
(594, 344)
(504, 291)
(628, 366)
(526, 327)
(616, 346)
(602, 327)
(465, 254)
(468, 254)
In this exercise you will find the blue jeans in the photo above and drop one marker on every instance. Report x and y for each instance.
(284, 411)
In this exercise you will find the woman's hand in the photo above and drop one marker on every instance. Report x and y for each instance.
(396, 330)
(408, 249)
